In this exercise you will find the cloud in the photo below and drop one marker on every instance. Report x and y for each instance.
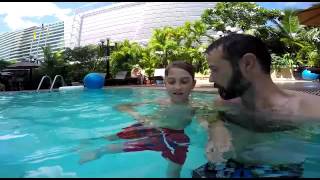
(15, 12)
(290, 4)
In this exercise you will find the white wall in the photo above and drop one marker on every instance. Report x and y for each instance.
(136, 20)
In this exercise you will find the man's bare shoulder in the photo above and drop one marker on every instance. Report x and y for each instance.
(308, 104)
(305, 97)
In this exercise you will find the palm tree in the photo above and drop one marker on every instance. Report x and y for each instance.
(310, 49)
(125, 56)
(163, 44)
(288, 28)
(53, 62)
(302, 43)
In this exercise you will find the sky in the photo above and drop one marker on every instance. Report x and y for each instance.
(20, 15)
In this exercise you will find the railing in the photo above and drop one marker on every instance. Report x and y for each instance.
(54, 80)
(43, 77)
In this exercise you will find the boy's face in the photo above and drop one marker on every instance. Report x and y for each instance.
(179, 84)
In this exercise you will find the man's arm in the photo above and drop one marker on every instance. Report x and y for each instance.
(209, 113)
(219, 140)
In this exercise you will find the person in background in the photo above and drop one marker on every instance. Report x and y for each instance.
(136, 72)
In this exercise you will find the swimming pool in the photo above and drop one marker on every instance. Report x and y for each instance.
(40, 132)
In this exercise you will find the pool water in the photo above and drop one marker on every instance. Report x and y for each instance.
(41, 134)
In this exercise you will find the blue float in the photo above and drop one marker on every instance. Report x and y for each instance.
(308, 75)
(93, 81)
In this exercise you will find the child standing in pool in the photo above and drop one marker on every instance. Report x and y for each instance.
(163, 132)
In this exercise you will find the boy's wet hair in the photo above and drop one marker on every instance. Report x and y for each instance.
(181, 65)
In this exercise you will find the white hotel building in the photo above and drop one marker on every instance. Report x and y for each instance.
(134, 21)
(21, 44)
(130, 20)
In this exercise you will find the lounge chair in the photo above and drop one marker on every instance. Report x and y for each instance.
(158, 76)
(103, 74)
(119, 79)
(315, 70)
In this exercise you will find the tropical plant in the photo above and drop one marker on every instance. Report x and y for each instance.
(148, 62)
(300, 42)
(86, 56)
(309, 54)
(180, 43)
(288, 28)
(163, 45)
(83, 60)
(194, 31)
(4, 64)
(279, 62)
(125, 56)
(237, 15)
(53, 62)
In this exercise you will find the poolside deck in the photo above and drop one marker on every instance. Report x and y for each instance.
(203, 85)
(311, 87)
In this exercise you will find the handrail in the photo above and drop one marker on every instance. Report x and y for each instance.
(54, 80)
(43, 77)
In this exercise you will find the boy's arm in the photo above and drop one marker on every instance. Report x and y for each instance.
(129, 108)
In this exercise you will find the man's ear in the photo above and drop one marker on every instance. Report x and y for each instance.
(247, 64)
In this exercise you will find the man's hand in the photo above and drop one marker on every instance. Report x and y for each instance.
(219, 142)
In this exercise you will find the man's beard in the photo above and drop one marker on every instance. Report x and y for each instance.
(236, 87)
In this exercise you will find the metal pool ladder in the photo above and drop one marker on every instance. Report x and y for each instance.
(43, 77)
(54, 80)
(51, 83)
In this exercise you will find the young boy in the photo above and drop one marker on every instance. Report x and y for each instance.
(164, 131)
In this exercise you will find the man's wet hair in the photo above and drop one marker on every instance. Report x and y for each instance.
(234, 46)
(182, 65)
